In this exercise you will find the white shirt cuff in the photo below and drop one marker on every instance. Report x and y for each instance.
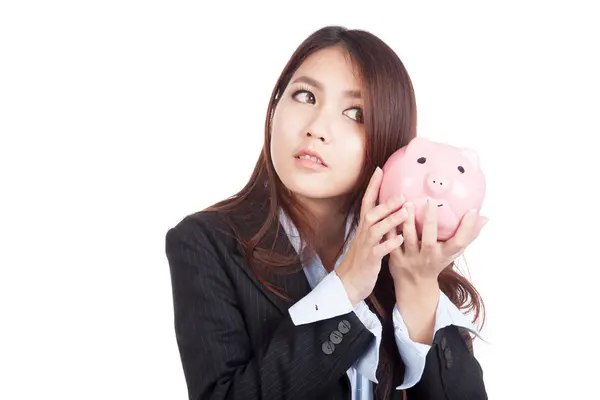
(367, 364)
(413, 354)
(327, 300)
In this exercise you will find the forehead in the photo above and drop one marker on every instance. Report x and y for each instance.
(333, 67)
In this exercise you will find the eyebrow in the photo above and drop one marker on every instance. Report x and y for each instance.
(313, 82)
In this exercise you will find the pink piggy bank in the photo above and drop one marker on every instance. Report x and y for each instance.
(449, 176)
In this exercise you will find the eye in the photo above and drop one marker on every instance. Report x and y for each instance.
(461, 169)
(355, 114)
(422, 160)
(304, 96)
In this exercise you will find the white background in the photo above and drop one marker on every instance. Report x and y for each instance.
(118, 118)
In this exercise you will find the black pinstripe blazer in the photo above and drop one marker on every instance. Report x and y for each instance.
(237, 341)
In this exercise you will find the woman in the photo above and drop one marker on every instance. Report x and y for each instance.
(298, 287)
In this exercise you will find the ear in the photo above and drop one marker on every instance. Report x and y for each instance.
(471, 155)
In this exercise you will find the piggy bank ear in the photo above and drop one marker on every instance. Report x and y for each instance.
(416, 143)
(471, 155)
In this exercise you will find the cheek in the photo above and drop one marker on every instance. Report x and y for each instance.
(290, 116)
(285, 127)
(412, 181)
(351, 153)
(460, 190)
(465, 196)
(278, 134)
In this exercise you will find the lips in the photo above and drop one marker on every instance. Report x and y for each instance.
(310, 155)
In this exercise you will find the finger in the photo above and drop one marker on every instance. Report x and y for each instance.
(393, 235)
(464, 234)
(430, 227)
(372, 192)
(387, 246)
(376, 214)
(481, 222)
(377, 231)
(409, 231)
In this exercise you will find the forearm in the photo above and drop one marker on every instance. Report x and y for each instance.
(451, 371)
(437, 358)
(220, 359)
(417, 302)
(447, 354)
(329, 299)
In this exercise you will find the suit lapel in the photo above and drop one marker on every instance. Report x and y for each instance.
(291, 280)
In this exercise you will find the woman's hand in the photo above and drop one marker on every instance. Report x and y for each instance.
(360, 267)
(423, 261)
(415, 268)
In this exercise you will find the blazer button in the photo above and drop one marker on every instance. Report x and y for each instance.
(449, 358)
(344, 326)
(444, 343)
(335, 337)
(328, 347)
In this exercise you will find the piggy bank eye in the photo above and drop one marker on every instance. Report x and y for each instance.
(461, 169)
(422, 160)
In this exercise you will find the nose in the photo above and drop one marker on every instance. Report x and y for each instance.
(438, 184)
(320, 127)
(321, 137)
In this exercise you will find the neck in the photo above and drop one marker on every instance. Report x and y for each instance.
(325, 213)
(330, 224)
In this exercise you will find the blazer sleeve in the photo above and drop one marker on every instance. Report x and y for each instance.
(451, 370)
(218, 359)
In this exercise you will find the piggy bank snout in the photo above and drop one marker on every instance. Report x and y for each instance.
(437, 184)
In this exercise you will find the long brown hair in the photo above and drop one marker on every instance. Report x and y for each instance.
(390, 123)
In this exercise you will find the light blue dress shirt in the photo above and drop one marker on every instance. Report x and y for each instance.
(329, 295)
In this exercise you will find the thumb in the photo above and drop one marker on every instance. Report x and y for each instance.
(481, 222)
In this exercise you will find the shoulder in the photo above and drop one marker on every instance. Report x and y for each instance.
(221, 232)
(199, 251)
(208, 230)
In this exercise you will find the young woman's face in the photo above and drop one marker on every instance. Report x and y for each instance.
(318, 138)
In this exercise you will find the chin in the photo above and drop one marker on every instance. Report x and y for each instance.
(321, 185)
(314, 189)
